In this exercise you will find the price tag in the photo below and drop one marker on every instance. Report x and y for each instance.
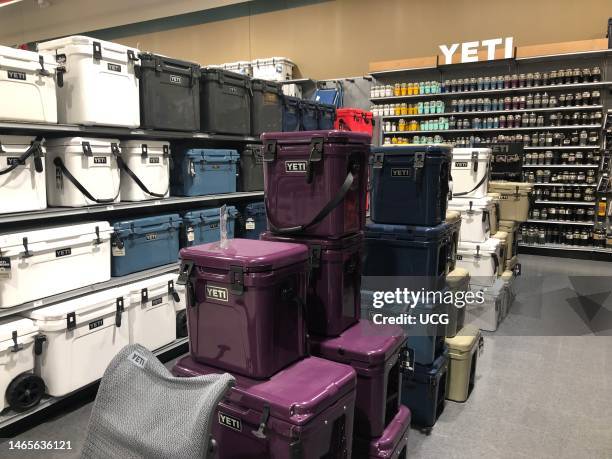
(5, 268)
(118, 251)
(190, 234)
(110, 207)
(250, 224)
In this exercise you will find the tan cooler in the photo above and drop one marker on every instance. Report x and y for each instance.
(508, 277)
(494, 214)
(458, 280)
(503, 250)
(514, 199)
(452, 216)
(463, 352)
(511, 228)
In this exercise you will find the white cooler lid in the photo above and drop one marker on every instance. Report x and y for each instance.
(466, 153)
(15, 239)
(152, 283)
(463, 204)
(153, 144)
(27, 57)
(78, 141)
(489, 246)
(21, 325)
(16, 140)
(80, 40)
(272, 60)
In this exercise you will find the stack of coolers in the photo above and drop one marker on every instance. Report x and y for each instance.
(409, 245)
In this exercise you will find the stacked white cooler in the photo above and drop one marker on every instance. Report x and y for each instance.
(478, 252)
(145, 170)
(96, 81)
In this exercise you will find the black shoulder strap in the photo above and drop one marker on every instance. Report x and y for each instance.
(482, 180)
(134, 177)
(36, 150)
(59, 163)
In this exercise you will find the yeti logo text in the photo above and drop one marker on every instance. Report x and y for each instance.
(216, 293)
(99, 160)
(16, 75)
(137, 359)
(295, 166)
(96, 324)
(154, 160)
(469, 49)
(114, 67)
(63, 252)
(151, 236)
(461, 164)
(230, 422)
(175, 79)
(401, 172)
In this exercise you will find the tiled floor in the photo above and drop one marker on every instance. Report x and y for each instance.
(538, 394)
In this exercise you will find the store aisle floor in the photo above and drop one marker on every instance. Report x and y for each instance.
(536, 396)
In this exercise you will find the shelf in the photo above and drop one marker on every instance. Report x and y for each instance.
(458, 131)
(567, 203)
(11, 417)
(298, 81)
(569, 147)
(567, 247)
(561, 222)
(113, 282)
(99, 211)
(556, 87)
(561, 166)
(494, 112)
(59, 130)
(564, 184)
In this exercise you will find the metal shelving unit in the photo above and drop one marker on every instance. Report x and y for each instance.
(568, 203)
(568, 247)
(560, 222)
(568, 147)
(563, 184)
(516, 129)
(561, 166)
(498, 112)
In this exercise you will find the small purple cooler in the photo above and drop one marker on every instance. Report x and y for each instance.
(245, 304)
(315, 182)
(334, 300)
(374, 352)
(304, 411)
(392, 444)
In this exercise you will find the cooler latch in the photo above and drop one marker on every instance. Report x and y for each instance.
(86, 148)
(144, 295)
(517, 269)
(263, 421)
(166, 151)
(314, 253)
(419, 163)
(97, 241)
(38, 344)
(316, 155)
(475, 161)
(296, 450)
(97, 50)
(406, 361)
(16, 347)
(172, 292)
(379, 159)
(131, 55)
(269, 150)
(144, 150)
(115, 150)
(119, 312)
(42, 71)
(477, 256)
(184, 272)
(237, 280)
(516, 193)
(71, 321)
(470, 211)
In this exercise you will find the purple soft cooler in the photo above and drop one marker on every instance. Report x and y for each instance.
(393, 443)
(315, 182)
(374, 352)
(245, 304)
(304, 411)
(334, 300)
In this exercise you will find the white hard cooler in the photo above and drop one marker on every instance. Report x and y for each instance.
(470, 169)
(145, 170)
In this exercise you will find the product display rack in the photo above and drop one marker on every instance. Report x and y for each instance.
(440, 73)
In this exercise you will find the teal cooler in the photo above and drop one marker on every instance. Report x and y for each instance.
(253, 220)
(144, 243)
(202, 226)
(199, 172)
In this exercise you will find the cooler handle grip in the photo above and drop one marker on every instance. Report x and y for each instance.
(331, 205)
(35, 150)
(59, 163)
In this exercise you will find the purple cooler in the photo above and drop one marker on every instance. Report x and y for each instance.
(334, 302)
(393, 443)
(315, 182)
(245, 304)
(304, 411)
(374, 352)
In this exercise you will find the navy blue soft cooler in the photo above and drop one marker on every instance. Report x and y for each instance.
(144, 243)
(198, 172)
(291, 114)
(309, 115)
(202, 226)
(327, 116)
(253, 220)
(425, 392)
(422, 253)
(410, 184)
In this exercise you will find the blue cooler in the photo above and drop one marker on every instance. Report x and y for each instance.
(309, 115)
(291, 114)
(202, 226)
(420, 252)
(425, 392)
(198, 172)
(410, 184)
(425, 339)
(327, 116)
(144, 243)
(254, 220)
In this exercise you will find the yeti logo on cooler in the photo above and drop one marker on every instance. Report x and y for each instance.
(459, 257)
(16, 75)
(175, 79)
(99, 159)
(114, 67)
(461, 164)
(229, 421)
(12, 161)
(295, 166)
(63, 252)
(157, 301)
(214, 226)
(96, 324)
(216, 293)
(401, 172)
(151, 236)
(154, 160)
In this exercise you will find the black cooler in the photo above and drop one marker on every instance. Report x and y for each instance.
(225, 102)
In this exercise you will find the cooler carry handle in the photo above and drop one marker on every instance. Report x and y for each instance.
(35, 149)
(124, 167)
(331, 205)
(79, 186)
